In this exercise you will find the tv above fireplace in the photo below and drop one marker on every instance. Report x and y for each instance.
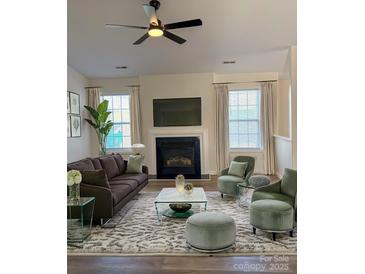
(177, 112)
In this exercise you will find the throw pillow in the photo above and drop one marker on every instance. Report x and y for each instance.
(95, 177)
(134, 164)
(237, 169)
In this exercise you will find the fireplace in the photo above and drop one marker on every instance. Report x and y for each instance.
(178, 155)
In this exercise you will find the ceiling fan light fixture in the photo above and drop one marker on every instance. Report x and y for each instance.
(155, 32)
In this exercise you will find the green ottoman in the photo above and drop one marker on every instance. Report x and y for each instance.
(272, 216)
(210, 231)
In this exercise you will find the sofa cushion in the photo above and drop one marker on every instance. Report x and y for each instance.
(132, 183)
(96, 163)
(84, 164)
(261, 195)
(134, 164)
(110, 166)
(237, 169)
(119, 192)
(95, 177)
(120, 163)
(139, 178)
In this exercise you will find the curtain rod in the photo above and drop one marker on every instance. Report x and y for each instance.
(92, 87)
(132, 86)
(245, 82)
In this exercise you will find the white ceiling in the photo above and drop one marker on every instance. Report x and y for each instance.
(255, 33)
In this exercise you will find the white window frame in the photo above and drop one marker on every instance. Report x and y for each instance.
(246, 149)
(123, 149)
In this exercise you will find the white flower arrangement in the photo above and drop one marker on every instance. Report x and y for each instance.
(73, 177)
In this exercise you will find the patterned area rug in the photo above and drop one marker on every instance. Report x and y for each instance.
(138, 232)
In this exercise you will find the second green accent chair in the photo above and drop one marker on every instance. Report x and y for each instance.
(227, 184)
(273, 207)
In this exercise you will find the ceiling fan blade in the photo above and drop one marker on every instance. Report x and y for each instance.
(140, 40)
(174, 37)
(151, 14)
(124, 26)
(184, 24)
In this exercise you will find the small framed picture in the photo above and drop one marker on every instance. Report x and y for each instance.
(68, 126)
(68, 102)
(75, 126)
(74, 103)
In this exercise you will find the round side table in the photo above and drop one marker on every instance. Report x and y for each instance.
(254, 181)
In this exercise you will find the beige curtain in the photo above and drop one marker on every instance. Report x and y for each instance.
(222, 134)
(94, 96)
(267, 127)
(136, 124)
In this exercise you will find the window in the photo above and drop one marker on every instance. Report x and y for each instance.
(120, 134)
(244, 119)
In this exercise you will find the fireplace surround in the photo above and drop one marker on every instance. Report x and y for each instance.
(178, 155)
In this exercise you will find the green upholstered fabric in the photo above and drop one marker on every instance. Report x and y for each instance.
(227, 184)
(237, 169)
(261, 195)
(210, 231)
(251, 165)
(272, 215)
(232, 189)
(134, 164)
(289, 182)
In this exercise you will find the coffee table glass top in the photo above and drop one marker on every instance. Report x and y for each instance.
(170, 195)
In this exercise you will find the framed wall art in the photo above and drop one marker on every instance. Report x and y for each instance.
(68, 102)
(74, 103)
(68, 126)
(75, 124)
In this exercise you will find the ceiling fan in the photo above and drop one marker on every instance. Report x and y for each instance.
(156, 28)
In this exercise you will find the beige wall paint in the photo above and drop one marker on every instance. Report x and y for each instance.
(78, 147)
(293, 97)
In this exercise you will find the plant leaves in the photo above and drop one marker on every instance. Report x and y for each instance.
(91, 123)
(93, 112)
(103, 106)
(104, 116)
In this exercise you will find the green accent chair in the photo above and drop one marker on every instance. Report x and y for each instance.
(273, 207)
(227, 184)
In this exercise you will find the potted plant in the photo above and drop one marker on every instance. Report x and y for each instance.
(101, 124)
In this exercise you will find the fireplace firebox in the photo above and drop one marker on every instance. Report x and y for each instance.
(178, 155)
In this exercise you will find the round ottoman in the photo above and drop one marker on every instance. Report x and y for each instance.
(272, 215)
(258, 180)
(210, 231)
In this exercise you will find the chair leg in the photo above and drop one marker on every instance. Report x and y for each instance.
(222, 195)
(254, 230)
(273, 236)
(291, 233)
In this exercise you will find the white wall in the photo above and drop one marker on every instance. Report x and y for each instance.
(78, 147)
(283, 154)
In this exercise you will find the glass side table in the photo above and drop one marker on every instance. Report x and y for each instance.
(79, 219)
(243, 190)
(254, 182)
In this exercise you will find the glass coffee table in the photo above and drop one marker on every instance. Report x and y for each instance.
(169, 196)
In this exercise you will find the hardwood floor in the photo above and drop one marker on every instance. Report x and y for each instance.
(181, 264)
(173, 264)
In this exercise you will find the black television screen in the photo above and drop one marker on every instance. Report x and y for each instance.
(177, 112)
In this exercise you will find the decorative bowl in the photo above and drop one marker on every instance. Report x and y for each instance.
(180, 207)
